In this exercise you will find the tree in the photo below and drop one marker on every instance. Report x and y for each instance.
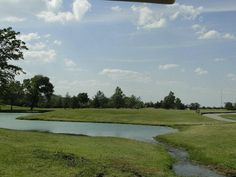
(179, 104)
(229, 106)
(100, 100)
(67, 101)
(118, 98)
(74, 102)
(83, 99)
(133, 102)
(11, 49)
(36, 87)
(14, 91)
(169, 101)
(194, 106)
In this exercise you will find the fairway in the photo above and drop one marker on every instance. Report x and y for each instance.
(130, 116)
(32, 154)
(213, 145)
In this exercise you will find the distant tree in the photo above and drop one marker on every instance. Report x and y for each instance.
(194, 106)
(158, 104)
(179, 104)
(149, 104)
(169, 101)
(133, 102)
(67, 101)
(118, 98)
(83, 99)
(100, 100)
(11, 49)
(36, 87)
(229, 106)
(55, 101)
(74, 102)
(14, 92)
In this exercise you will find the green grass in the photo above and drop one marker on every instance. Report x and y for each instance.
(232, 116)
(20, 108)
(208, 144)
(34, 154)
(8, 107)
(214, 110)
(130, 116)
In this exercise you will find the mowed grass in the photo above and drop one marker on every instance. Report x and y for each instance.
(230, 116)
(130, 116)
(34, 154)
(208, 144)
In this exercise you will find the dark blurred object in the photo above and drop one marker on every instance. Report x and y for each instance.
(150, 1)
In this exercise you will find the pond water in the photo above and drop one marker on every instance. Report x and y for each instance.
(137, 132)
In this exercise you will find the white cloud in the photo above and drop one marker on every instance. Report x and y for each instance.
(147, 19)
(38, 49)
(37, 46)
(200, 71)
(71, 65)
(44, 56)
(116, 9)
(79, 9)
(57, 42)
(203, 33)
(125, 75)
(212, 34)
(54, 4)
(219, 59)
(168, 66)
(29, 37)
(184, 11)
(153, 19)
(47, 35)
(12, 19)
(231, 76)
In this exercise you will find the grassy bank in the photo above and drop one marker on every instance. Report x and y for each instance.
(7, 108)
(208, 144)
(33, 154)
(232, 116)
(131, 116)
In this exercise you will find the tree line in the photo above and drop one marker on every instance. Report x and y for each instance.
(38, 92)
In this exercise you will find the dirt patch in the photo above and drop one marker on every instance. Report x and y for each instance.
(69, 159)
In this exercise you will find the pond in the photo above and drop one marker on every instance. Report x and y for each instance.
(136, 132)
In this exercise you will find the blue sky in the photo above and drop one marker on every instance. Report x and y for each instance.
(146, 49)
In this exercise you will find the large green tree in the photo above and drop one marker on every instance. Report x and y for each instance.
(83, 99)
(36, 87)
(118, 98)
(14, 93)
(11, 49)
(100, 100)
(169, 101)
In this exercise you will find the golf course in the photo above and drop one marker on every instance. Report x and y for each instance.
(209, 142)
(117, 88)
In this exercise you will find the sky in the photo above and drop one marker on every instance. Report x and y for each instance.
(146, 49)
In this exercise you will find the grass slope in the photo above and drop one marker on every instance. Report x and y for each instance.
(232, 116)
(208, 144)
(33, 154)
(131, 116)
